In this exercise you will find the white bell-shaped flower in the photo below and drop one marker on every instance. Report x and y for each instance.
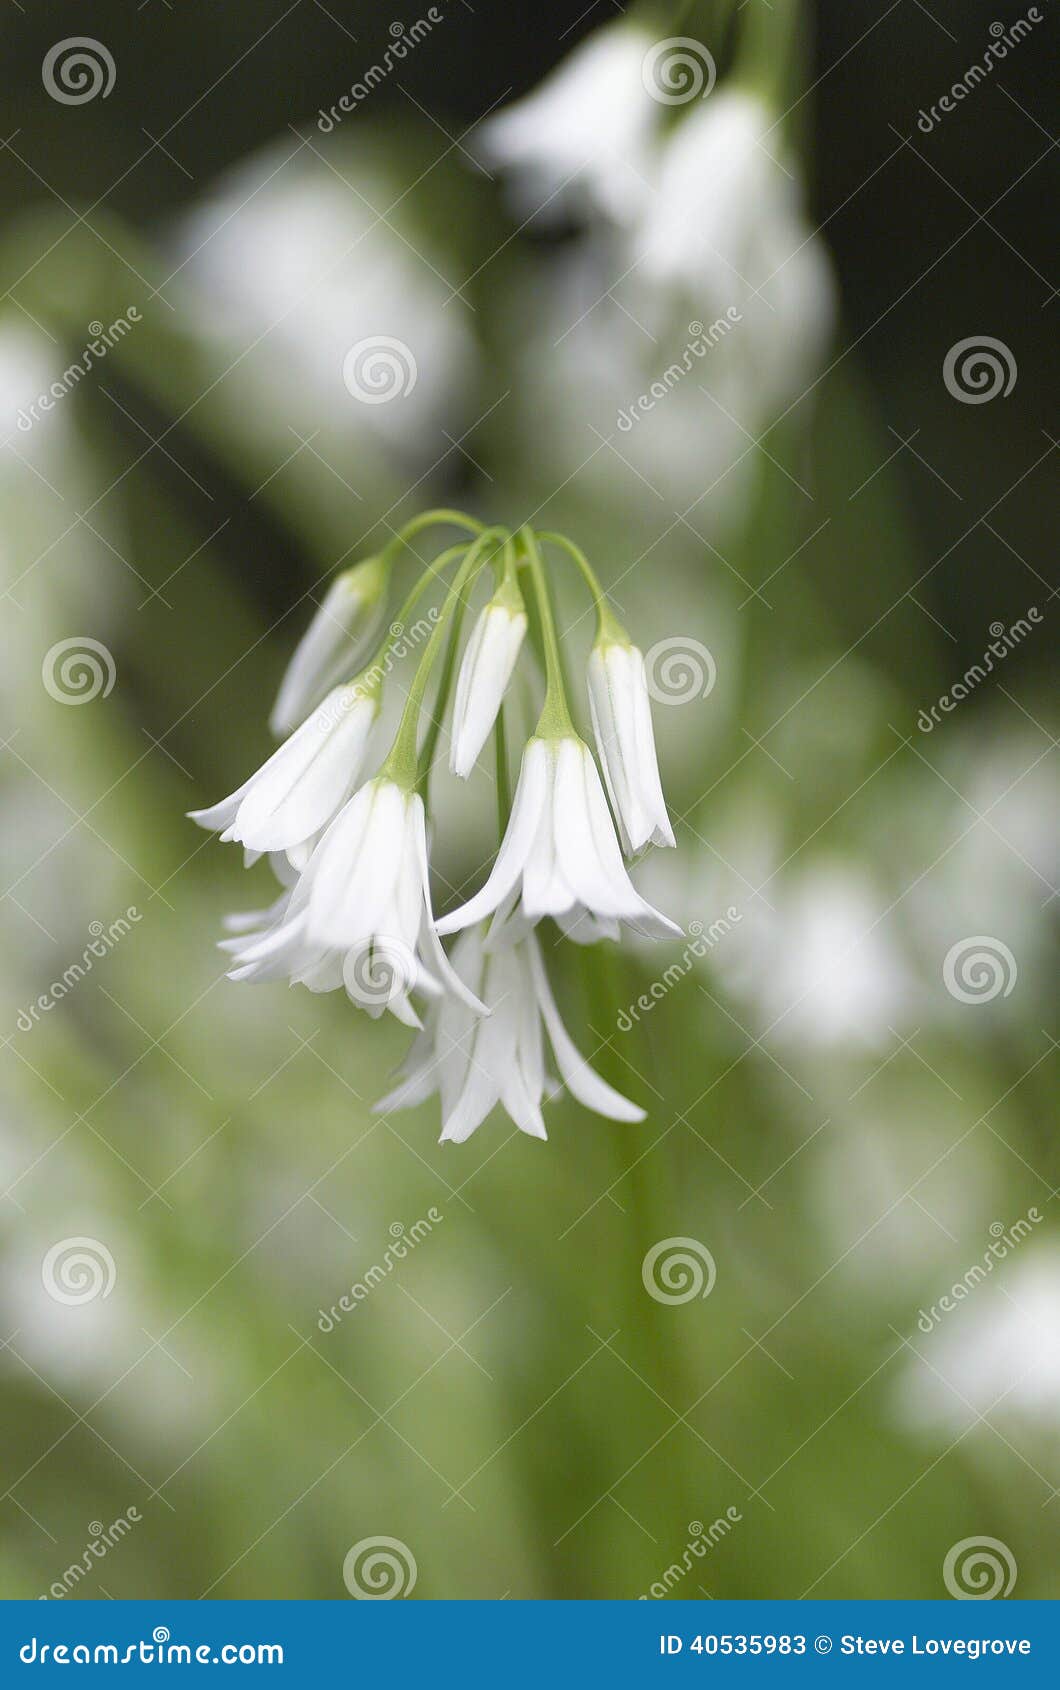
(560, 856)
(485, 671)
(625, 743)
(584, 135)
(300, 787)
(340, 636)
(360, 914)
(474, 1064)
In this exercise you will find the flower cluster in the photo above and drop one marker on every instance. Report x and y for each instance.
(353, 854)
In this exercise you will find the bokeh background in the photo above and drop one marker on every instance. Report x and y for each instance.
(842, 1131)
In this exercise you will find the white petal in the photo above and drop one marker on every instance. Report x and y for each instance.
(429, 933)
(580, 1080)
(222, 815)
(589, 855)
(354, 871)
(484, 675)
(305, 782)
(635, 911)
(651, 791)
(530, 793)
(346, 622)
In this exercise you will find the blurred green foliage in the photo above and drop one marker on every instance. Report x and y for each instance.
(824, 1116)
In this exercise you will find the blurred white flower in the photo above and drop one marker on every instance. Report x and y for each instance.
(726, 227)
(293, 265)
(821, 967)
(582, 137)
(474, 1064)
(996, 1354)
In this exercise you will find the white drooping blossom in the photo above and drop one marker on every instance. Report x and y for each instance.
(486, 669)
(474, 1063)
(725, 227)
(583, 136)
(560, 856)
(700, 246)
(621, 713)
(360, 914)
(347, 624)
(355, 910)
(297, 791)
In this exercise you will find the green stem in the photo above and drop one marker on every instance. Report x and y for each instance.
(768, 52)
(608, 627)
(430, 743)
(555, 719)
(402, 763)
(371, 675)
(428, 519)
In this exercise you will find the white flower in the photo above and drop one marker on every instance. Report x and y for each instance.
(727, 215)
(621, 713)
(284, 805)
(360, 914)
(474, 1064)
(485, 672)
(584, 134)
(341, 633)
(559, 855)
